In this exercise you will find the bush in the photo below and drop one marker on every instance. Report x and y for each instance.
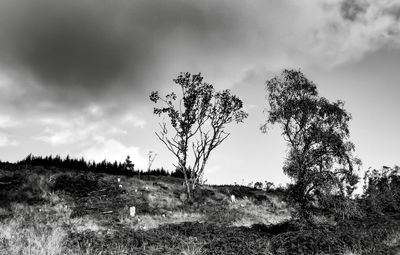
(341, 207)
(79, 185)
(258, 185)
(382, 190)
(29, 188)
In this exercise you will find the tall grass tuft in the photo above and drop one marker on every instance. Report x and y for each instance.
(191, 246)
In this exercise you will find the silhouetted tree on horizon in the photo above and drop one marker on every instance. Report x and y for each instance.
(118, 168)
(198, 119)
(320, 159)
(129, 166)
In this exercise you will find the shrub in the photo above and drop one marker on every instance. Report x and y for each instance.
(382, 190)
(79, 185)
(29, 188)
(258, 185)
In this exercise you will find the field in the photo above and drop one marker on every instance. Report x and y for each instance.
(55, 211)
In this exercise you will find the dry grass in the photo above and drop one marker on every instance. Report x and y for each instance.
(323, 220)
(90, 250)
(35, 217)
(191, 246)
(277, 203)
(393, 240)
(351, 252)
(148, 221)
(251, 213)
(163, 225)
(33, 241)
(157, 199)
(85, 223)
(34, 230)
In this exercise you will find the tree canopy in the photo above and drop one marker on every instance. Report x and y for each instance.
(198, 119)
(319, 158)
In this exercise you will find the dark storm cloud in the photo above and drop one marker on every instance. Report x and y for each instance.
(74, 52)
(63, 44)
(85, 47)
(351, 9)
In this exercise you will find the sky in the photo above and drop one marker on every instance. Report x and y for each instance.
(75, 76)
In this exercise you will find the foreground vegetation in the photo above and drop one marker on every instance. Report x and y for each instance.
(53, 211)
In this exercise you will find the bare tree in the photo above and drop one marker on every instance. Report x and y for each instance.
(198, 120)
(152, 156)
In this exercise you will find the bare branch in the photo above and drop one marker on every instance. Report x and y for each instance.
(198, 123)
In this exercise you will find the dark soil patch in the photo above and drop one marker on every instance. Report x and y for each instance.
(100, 202)
(77, 186)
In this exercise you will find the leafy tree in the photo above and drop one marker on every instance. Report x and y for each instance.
(258, 185)
(198, 119)
(129, 166)
(319, 158)
(269, 185)
(382, 190)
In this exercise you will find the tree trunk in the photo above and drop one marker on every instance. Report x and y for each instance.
(189, 191)
(299, 195)
(187, 183)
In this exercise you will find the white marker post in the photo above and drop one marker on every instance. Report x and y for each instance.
(132, 211)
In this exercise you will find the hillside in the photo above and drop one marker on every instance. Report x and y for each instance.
(54, 211)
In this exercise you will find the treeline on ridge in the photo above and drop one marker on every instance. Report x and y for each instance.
(126, 168)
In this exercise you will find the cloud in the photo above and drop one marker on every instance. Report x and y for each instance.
(83, 126)
(88, 66)
(83, 51)
(64, 131)
(57, 137)
(5, 141)
(352, 9)
(112, 149)
(6, 121)
(346, 31)
(80, 49)
(66, 43)
(133, 120)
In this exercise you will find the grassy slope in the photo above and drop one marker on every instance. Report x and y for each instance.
(49, 211)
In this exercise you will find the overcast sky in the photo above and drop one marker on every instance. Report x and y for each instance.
(75, 75)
